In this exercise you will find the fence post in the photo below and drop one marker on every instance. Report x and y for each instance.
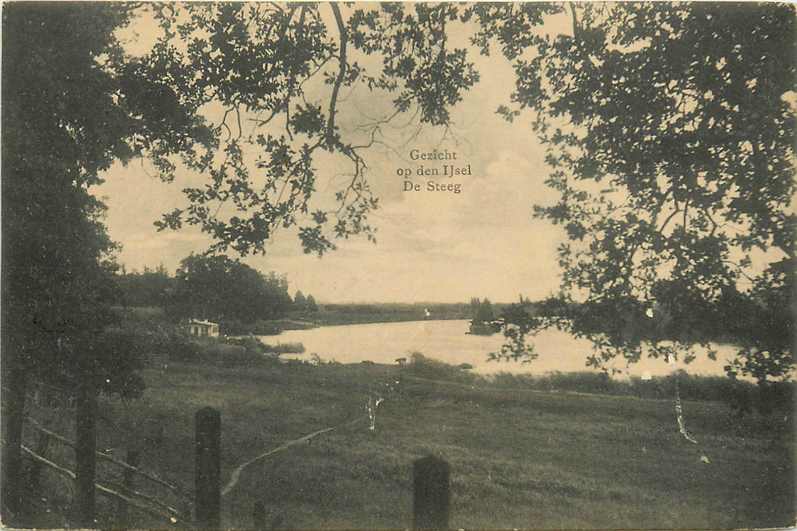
(122, 513)
(34, 470)
(208, 468)
(432, 496)
(85, 448)
(259, 515)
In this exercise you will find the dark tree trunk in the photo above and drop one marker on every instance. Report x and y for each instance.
(85, 449)
(14, 389)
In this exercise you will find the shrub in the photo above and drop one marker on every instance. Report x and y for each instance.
(229, 355)
(284, 348)
(181, 348)
(775, 397)
(159, 340)
(424, 367)
(265, 328)
(250, 343)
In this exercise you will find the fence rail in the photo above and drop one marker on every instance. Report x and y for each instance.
(431, 481)
(124, 493)
(102, 455)
(107, 491)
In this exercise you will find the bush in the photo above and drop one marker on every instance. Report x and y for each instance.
(284, 348)
(181, 348)
(228, 355)
(266, 328)
(158, 340)
(424, 367)
(234, 327)
(742, 396)
(775, 397)
(250, 343)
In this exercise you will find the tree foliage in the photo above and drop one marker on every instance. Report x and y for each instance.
(74, 102)
(482, 311)
(149, 288)
(62, 125)
(226, 290)
(668, 129)
(299, 300)
(264, 65)
(304, 304)
(66, 118)
(312, 306)
(670, 140)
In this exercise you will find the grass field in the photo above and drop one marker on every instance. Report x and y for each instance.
(518, 457)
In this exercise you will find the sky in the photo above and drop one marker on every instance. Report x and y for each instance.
(432, 246)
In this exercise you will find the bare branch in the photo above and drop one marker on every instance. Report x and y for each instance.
(341, 71)
(576, 29)
(669, 218)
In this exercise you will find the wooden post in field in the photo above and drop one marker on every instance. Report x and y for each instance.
(122, 513)
(208, 468)
(85, 449)
(432, 495)
(34, 471)
(259, 515)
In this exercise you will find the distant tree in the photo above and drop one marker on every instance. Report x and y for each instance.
(669, 130)
(150, 288)
(485, 312)
(299, 301)
(277, 288)
(475, 305)
(311, 305)
(222, 289)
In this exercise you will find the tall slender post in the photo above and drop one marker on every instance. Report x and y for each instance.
(208, 468)
(85, 449)
(432, 496)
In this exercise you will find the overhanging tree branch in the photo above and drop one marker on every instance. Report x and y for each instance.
(341, 72)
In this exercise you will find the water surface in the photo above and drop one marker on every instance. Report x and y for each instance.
(447, 341)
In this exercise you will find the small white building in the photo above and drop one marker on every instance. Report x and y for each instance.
(199, 328)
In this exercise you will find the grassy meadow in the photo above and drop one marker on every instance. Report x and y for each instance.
(519, 457)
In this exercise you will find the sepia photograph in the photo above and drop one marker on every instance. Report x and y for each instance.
(407, 265)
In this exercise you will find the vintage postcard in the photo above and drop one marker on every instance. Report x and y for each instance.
(398, 265)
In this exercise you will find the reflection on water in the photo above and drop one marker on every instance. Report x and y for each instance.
(447, 341)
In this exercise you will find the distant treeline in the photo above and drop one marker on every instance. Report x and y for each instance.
(337, 314)
(243, 300)
(216, 288)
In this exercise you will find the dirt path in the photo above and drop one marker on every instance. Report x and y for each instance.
(236, 474)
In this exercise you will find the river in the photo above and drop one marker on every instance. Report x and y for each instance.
(447, 341)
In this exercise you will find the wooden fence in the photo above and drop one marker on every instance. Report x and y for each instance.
(431, 482)
(124, 492)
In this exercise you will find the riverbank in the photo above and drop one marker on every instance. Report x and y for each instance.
(342, 314)
(518, 457)
(326, 315)
(351, 314)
